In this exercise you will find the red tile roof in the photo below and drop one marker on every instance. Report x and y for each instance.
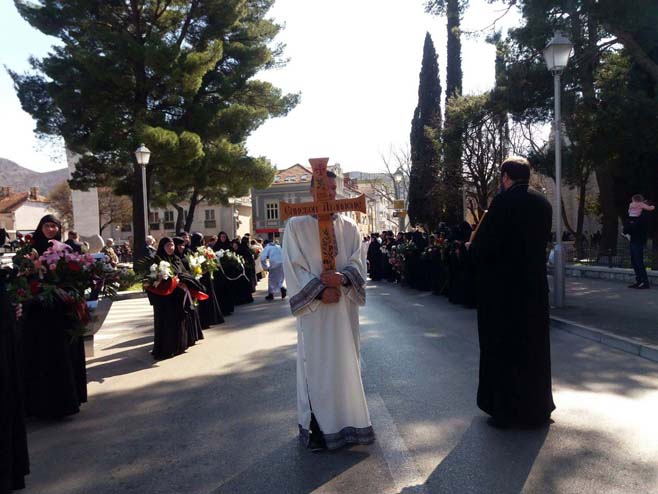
(15, 200)
(294, 175)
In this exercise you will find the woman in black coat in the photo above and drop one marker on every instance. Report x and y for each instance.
(249, 263)
(222, 284)
(241, 284)
(170, 337)
(55, 368)
(192, 320)
(210, 312)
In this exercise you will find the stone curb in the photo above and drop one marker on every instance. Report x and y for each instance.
(129, 295)
(628, 345)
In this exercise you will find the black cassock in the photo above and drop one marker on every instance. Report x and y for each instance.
(55, 369)
(170, 336)
(513, 310)
(210, 312)
(375, 260)
(14, 462)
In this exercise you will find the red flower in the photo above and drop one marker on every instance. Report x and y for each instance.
(34, 287)
(28, 238)
(73, 266)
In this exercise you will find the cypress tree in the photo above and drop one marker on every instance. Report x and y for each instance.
(425, 127)
(452, 133)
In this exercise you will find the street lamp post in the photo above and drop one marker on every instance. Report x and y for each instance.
(143, 155)
(398, 177)
(557, 54)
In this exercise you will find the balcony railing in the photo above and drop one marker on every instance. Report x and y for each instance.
(210, 224)
(169, 225)
(154, 226)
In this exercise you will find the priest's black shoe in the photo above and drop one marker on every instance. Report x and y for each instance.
(643, 286)
(269, 297)
(284, 292)
(634, 285)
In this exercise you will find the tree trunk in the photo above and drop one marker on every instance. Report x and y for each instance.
(609, 221)
(580, 238)
(194, 200)
(180, 217)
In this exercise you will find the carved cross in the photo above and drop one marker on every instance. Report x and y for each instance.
(323, 206)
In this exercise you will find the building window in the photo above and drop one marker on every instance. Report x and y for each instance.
(169, 216)
(304, 177)
(154, 217)
(277, 178)
(210, 214)
(291, 178)
(272, 209)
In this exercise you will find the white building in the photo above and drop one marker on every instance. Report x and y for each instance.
(21, 211)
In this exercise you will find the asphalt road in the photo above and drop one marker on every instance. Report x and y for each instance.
(221, 418)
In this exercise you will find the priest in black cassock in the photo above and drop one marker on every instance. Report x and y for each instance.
(509, 249)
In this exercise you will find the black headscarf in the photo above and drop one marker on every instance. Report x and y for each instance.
(196, 241)
(245, 251)
(219, 245)
(39, 240)
(174, 260)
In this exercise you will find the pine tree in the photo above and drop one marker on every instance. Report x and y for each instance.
(425, 127)
(176, 75)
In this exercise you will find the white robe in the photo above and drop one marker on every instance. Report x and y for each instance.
(328, 354)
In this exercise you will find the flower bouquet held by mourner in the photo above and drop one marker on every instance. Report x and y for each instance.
(195, 261)
(60, 274)
(160, 279)
(231, 264)
(209, 263)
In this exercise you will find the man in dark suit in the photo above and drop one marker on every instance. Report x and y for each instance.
(509, 249)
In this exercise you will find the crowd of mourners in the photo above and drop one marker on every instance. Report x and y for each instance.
(179, 314)
(44, 315)
(438, 262)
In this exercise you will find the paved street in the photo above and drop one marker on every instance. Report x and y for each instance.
(221, 418)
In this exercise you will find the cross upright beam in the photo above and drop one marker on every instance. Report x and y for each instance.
(323, 206)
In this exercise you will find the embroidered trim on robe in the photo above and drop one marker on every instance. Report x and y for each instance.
(358, 283)
(306, 295)
(347, 435)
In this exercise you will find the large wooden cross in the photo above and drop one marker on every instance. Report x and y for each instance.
(323, 206)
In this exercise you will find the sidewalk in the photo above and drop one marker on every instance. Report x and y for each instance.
(611, 307)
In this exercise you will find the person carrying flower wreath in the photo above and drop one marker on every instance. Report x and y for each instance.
(55, 374)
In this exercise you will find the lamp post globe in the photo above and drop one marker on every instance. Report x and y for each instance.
(556, 54)
(143, 155)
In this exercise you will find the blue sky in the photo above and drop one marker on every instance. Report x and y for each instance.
(356, 63)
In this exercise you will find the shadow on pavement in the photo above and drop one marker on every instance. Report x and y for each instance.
(188, 435)
(291, 469)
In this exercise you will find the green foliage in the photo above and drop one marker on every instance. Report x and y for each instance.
(425, 142)
(176, 75)
(601, 134)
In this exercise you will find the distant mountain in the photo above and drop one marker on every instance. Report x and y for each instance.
(21, 179)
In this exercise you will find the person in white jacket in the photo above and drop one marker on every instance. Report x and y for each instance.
(272, 254)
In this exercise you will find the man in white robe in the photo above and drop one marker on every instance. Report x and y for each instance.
(331, 403)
